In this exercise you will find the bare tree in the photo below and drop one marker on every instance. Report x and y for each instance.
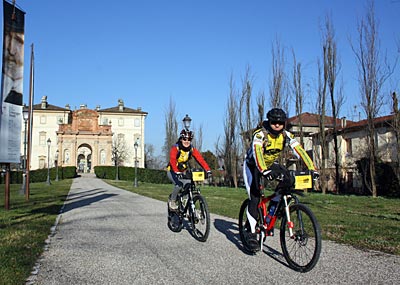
(321, 107)
(278, 92)
(298, 94)
(246, 124)
(229, 148)
(152, 161)
(119, 152)
(198, 137)
(260, 100)
(372, 74)
(331, 68)
(171, 128)
(396, 128)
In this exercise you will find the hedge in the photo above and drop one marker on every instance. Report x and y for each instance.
(128, 174)
(40, 175)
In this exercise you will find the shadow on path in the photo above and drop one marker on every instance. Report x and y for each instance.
(86, 201)
(231, 231)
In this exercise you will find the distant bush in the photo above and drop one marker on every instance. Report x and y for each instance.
(40, 175)
(128, 174)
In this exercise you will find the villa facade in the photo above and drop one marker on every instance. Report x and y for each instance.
(85, 138)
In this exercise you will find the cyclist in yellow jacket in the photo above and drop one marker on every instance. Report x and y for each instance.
(261, 160)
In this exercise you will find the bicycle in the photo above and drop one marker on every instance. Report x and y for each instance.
(192, 206)
(300, 232)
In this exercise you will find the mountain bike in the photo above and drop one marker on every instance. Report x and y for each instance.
(191, 206)
(300, 232)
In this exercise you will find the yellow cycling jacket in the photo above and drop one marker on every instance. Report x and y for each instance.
(265, 149)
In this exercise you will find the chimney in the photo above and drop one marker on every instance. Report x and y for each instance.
(67, 107)
(343, 122)
(121, 105)
(83, 106)
(44, 102)
(98, 108)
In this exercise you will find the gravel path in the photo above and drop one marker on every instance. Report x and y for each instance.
(106, 235)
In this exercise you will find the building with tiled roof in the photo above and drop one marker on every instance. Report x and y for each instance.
(83, 137)
(352, 144)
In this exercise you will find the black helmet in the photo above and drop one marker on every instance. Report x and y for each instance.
(276, 115)
(186, 135)
(273, 116)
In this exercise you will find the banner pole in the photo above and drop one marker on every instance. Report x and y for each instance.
(30, 122)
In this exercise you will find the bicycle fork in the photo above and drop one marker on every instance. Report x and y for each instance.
(289, 222)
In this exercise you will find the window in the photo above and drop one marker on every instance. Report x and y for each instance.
(60, 120)
(349, 147)
(42, 138)
(137, 123)
(120, 122)
(105, 121)
(41, 163)
(43, 119)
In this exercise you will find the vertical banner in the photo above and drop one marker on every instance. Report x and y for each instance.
(12, 84)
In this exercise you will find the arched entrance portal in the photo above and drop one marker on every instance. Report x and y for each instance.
(84, 158)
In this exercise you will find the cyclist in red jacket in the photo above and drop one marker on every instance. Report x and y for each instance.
(179, 156)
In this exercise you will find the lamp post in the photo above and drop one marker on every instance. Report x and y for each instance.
(116, 164)
(136, 145)
(25, 116)
(56, 160)
(48, 161)
(186, 122)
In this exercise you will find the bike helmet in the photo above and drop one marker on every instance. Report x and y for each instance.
(186, 135)
(275, 115)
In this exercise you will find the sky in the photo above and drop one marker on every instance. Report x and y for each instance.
(150, 53)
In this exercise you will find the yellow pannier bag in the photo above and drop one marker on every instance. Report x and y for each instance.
(303, 182)
(198, 175)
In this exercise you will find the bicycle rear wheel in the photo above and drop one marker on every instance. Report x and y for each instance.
(200, 218)
(301, 250)
(244, 227)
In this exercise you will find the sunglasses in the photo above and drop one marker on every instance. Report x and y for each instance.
(186, 140)
(277, 123)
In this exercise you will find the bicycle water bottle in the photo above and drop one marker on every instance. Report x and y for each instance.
(271, 212)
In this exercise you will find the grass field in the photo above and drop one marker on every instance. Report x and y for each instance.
(25, 227)
(364, 222)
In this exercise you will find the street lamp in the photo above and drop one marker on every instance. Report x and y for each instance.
(48, 161)
(56, 159)
(186, 122)
(136, 145)
(25, 116)
(116, 164)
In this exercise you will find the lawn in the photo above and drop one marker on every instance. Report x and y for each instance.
(364, 222)
(25, 227)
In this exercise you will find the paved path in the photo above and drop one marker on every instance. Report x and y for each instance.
(106, 235)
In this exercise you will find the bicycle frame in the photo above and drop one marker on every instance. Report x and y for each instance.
(262, 206)
(189, 192)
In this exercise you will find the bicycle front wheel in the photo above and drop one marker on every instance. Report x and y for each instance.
(302, 249)
(200, 218)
